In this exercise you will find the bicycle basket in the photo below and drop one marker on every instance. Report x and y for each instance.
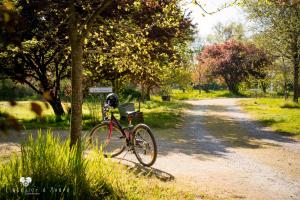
(124, 108)
(137, 117)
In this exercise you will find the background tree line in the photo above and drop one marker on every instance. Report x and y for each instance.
(275, 35)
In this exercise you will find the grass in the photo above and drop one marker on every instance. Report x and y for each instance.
(58, 173)
(157, 114)
(196, 94)
(163, 114)
(276, 113)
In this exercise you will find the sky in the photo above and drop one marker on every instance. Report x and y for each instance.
(206, 23)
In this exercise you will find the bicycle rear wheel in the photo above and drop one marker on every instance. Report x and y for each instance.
(144, 145)
(112, 143)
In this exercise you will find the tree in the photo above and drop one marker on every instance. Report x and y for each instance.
(280, 21)
(153, 22)
(234, 61)
(225, 32)
(82, 18)
(140, 46)
(36, 53)
(281, 70)
(42, 71)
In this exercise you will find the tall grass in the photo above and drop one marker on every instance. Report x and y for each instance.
(51, 166)
(60, 173)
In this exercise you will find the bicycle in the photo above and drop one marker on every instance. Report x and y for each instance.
(113, 138)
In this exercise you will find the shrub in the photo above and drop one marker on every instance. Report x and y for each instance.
(11, 90)
(129, 93)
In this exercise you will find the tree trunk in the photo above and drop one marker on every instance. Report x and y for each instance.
(264, 87)
(116, 86)
(296, 60)
(142, 92)
(57, 107)
(296, 82)
(148, 93)
(285, 90)
(76, 78)
(232, 87)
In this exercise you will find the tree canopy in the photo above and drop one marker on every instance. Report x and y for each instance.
(102, 40)
(233, 61)
(279, 22)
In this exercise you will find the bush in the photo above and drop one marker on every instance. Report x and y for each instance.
(58, 173)
(129, 93)
(10, 90)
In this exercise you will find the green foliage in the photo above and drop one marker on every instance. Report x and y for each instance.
(275, 112)
(224, 32)
(129, 93)
(12, 91)
(51, 164)
(141, 46)
(278, 28)
(40, 57)
(178, 78)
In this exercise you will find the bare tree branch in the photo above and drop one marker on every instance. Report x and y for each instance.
(218, 9)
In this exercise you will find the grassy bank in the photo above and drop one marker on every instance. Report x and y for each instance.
(276, 113)
(58, 173)
(157, 114)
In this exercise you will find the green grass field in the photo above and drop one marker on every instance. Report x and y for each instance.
(157, 114)
(276, 113)
(196, 94)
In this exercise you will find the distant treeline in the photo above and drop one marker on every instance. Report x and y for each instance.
(10, 90)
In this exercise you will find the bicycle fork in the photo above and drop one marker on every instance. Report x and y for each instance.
(110, 131)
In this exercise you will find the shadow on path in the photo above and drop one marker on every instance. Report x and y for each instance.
(139, 169)
(214, 129)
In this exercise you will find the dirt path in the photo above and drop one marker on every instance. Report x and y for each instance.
(223, 153)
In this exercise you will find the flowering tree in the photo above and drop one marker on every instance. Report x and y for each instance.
(233, 61)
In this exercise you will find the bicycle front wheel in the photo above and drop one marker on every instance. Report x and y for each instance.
(112, 142)
(144, 145)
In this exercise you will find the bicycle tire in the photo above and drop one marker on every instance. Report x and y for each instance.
(141, 147)
(111, 146)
